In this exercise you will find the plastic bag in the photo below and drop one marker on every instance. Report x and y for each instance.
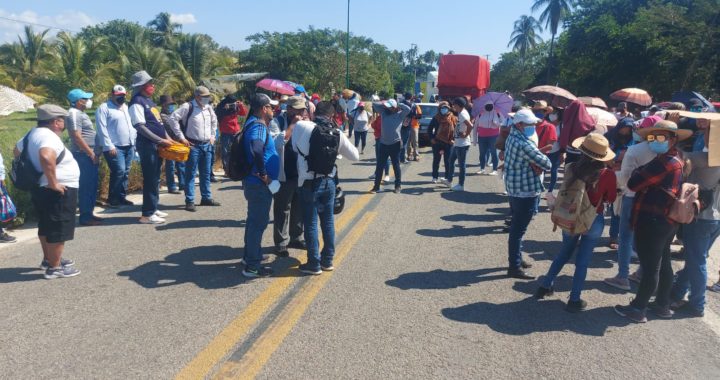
(8, 211)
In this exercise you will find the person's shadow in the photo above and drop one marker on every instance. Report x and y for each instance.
(9, 275)
(443, 279)
(529, 316)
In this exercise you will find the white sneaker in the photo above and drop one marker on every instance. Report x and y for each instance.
(435, 180)
(481, 172)
(387, 178)
(152, 219)
(458, 187)
(161, 214)
(493, 173)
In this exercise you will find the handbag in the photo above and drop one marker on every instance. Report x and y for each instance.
(8, 211)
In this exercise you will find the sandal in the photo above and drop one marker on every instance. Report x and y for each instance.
(613, 245)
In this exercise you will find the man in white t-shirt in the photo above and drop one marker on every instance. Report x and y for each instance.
(55, 199)
(461, 146)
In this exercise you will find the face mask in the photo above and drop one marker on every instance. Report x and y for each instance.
(171, 108)
(553, 117)
(204, 101)
(659, 147)
(120, 100)
(529, 131)
(637, 137)
(444, 111)
(150, 89)
(88, 104)
(283, 106)
(539, 114)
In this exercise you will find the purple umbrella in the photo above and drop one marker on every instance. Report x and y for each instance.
(502, 103)
(276, 85)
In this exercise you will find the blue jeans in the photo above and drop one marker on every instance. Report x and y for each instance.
(171, 169)
(445, 148)
(151, 163)
(614, 224)
(259, 201)
(625, 238)
(698, 238)
(226, 140)
(318, 202)
(377, 157)
(87, 193)
(459, 154)
(393, 152)
(588, 242)
(555, 161)
(119, 172)
(361, 137)
(201, 157)
(523, 210)
(487, 148)
(404, 138)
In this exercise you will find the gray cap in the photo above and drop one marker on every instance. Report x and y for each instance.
(202, 91)
(296, 102)
(140, 78)
(47, 112)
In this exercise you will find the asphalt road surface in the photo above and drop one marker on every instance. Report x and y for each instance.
(418, 292)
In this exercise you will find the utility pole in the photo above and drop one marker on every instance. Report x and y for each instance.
(347, 49)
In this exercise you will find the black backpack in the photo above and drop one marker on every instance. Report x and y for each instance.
(184, 124)
(23, 173)
(324, 145)
(238, 166)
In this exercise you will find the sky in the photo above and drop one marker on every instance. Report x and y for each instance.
(466, 27)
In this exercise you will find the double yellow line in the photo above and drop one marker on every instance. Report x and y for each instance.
(259, 353)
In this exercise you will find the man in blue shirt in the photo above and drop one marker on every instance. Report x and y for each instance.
(260, 150)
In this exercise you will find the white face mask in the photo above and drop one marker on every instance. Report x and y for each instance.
(204, 101)
(88, 104)
(553, 117)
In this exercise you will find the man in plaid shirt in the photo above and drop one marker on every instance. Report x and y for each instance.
(523, 165)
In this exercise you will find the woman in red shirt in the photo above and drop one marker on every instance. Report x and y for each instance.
(601, 188)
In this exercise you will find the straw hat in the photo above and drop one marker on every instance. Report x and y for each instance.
(666, 125)
(595, 146)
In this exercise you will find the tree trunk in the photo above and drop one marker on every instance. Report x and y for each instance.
(550, 58)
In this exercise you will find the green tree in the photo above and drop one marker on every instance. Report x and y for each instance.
(553, 13)
(163, 29)
(24, 60)
(525, 35)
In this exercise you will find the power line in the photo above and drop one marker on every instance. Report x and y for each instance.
(37, 24)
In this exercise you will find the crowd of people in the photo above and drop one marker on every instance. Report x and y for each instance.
(288, 146)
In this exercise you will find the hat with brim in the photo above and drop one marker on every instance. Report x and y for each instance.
(47, 112)
(296, 102)
(540, 105)
(140, 78)
(201, 91)
(666, 125)
(391, 103)
(595, 146)
(525, 116)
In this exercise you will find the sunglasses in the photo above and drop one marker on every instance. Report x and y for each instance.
(658, 138)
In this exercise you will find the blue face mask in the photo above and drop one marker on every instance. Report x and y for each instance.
(637, 137)
(659, 147)
(283, 106)
(529, 131)
(444, 111)
(539, 115)
(171, 108)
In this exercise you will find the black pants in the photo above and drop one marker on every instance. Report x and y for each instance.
(653, 236)
(385, 151)
(445, 148)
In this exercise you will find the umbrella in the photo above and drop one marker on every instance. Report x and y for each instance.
(297, 87)
(554, 96)
(13, 101)
(602, 117)
(593, 102)
(502, 103)
(632, 95)
(276, 85)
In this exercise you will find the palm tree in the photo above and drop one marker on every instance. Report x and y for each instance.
(163, 29)
(25, 58)
(525, 35)
(553, 13)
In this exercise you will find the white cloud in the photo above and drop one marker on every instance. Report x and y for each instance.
(183, 18)
(70, 20)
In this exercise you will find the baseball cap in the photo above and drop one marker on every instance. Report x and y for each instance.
(50, 111)
(525, 116)
(296, 102)
(391, 103)
(261, 100)
(76, 94)
(119, 90)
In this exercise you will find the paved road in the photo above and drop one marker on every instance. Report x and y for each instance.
(418, 292)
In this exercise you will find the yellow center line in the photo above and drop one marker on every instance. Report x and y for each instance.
(228, 338)
(258, 355)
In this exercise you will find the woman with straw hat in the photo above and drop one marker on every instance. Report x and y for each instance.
(654, 231)
(601, 186)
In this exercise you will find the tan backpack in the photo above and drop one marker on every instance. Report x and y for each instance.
(572, 210)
